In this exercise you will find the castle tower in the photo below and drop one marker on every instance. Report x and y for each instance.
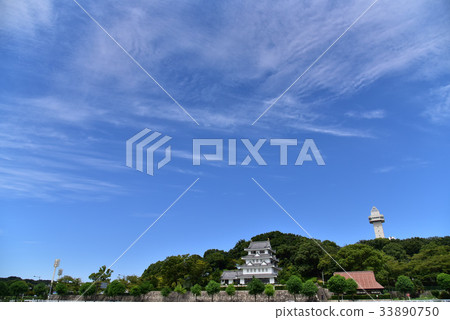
(377, 220)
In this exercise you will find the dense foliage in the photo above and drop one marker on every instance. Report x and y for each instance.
(424, 261)
(418, 258)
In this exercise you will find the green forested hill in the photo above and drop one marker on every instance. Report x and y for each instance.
(418, 258)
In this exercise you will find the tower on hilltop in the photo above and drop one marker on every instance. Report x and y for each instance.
(377, 220)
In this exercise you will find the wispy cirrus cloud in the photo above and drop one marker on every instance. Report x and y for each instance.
(439, 110)
(369, 114)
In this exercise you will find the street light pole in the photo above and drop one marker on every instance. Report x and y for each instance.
(55, 265)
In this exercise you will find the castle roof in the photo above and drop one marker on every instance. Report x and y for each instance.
(259, 245)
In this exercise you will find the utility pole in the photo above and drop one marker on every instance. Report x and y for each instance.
(55, 265)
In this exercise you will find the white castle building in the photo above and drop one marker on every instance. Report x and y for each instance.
(377, 219)
(260, 262)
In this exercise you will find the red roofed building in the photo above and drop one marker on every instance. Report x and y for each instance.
(365, 280)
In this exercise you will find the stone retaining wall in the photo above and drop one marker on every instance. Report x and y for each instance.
(222, 296)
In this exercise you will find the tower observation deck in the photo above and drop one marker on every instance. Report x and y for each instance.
(377, 220)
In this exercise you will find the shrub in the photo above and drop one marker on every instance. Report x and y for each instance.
(443, 281)
(269, 291)
(294, 286)
(87, 289)
(115, 288)
(337, 284)
(196, 291)
(309, 289)
(40, 290)
(146, 287)
(165, 291)
(212, 288)
(180, 290)
(255, 287)
(61, 288)
(230, 290)
(18, 288)
(404, 284)
(135, 291)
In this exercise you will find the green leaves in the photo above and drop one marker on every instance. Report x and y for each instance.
(255, 287)
(443, 280)
(337, 284)
(404, 284)
(88, 289)
(18, 288)
(294, 285)
(166, 291)
(269, 291)
(212, 288)
(61, 288)
(180, 289)
(230, 290)
(103, 275)
(135, 291)
(115, 288)
(196, 290)
(309, 288)
(41, 290)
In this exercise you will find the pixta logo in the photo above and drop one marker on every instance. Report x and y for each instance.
(253, 151)
(146, 140)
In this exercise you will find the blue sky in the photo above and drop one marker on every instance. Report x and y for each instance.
(377, 106)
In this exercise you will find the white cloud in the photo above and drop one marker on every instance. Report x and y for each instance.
(25, 17)
(253, 46)
(439, 111)
(369, 114)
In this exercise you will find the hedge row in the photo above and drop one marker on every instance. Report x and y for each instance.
(362, 297)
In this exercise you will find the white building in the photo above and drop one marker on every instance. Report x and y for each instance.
(377, 220)
(260, 262)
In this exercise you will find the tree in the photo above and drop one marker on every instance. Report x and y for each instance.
(269, 291)
(41, 290)
(115, 288)
(196, 291)
(404, 285)
(18, 288)
(180, 290)
(212, 288)
(135, 291)
(145, 287)
(429, 262)
(230, 290)
(87, 289)
(351, 286)
(73, 284)
(129, 281)
(103, 275)
(443, 280)
(165, 291)
(4, 290)
(395, 250)
(294, 286)
(61, 288)
(218, 259)
(309, 289)
(337, 284)
(255, 287)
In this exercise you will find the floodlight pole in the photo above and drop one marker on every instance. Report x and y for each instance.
(55, 265)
